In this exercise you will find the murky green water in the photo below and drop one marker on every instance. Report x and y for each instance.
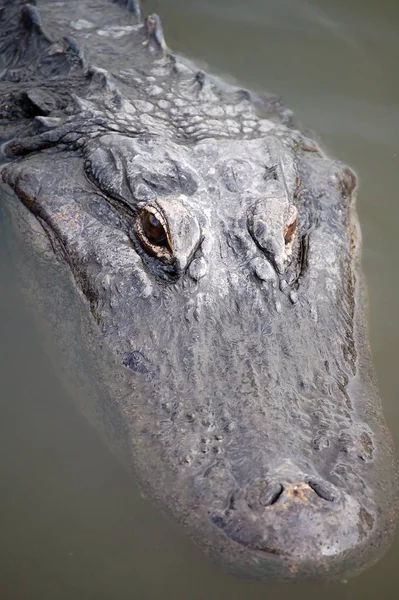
(72, 524)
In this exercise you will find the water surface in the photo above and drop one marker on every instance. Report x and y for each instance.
(73, 525)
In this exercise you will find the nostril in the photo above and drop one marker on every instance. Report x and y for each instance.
(261, 494)
(271, 494)
(321, 489)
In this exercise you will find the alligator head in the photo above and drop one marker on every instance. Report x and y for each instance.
(218, 251)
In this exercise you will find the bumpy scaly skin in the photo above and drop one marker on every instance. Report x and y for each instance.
(245, 387)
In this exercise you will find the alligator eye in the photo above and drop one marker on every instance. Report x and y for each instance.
(153, 229)
(152, 232)
(289, 231)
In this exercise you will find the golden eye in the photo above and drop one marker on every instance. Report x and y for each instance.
(152, 232)
(289, 231)
(153, 229)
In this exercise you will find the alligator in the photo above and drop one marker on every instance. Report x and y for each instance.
(217, 249)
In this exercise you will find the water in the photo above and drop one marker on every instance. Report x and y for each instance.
(73, 525)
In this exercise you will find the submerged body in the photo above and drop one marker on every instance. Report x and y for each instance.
(218, 251)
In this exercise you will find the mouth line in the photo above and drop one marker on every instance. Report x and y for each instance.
(275, 551)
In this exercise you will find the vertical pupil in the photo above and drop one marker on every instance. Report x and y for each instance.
(154, 229)
(289, 231)
(153, 221)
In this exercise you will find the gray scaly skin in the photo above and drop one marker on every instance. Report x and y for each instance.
(218, 250)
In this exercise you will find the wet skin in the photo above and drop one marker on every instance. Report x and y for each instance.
(217, 248)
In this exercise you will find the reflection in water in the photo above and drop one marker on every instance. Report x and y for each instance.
(73, 524)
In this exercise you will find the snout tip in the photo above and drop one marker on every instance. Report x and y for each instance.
(297, 530)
